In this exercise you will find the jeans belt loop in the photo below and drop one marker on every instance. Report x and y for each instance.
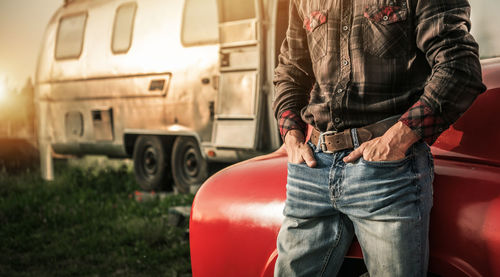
(355, 138)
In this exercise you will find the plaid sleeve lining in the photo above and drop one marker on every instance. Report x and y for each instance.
(424, 121)
(289, 120)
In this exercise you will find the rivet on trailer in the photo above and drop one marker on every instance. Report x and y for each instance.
(176, 85)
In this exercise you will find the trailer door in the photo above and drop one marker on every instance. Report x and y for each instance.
(241, 71)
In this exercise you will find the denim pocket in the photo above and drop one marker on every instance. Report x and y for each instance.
(394, 163)
(289, 164)
(383, 176)
(385, 30)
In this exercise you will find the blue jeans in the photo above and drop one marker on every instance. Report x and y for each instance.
(386, 204)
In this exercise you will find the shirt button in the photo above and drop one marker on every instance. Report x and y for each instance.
(385, 17)
(345, 28)
(345, 62)
(337, 120)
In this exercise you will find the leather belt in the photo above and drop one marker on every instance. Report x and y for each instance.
(337, 141)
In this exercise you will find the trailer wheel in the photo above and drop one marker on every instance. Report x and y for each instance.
(150, 163)
(188, 165)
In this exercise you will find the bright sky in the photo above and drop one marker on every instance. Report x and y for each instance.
(22, 23)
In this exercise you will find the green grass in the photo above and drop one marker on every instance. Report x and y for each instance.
(87, 223)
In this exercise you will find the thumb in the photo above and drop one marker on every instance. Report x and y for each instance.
(308, 157)
(355, 155)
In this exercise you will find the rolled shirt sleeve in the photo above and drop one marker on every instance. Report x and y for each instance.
(288, 121)
(293, 77)
(442, 33)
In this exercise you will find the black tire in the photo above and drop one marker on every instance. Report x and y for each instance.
(151, 163)
(188, 165)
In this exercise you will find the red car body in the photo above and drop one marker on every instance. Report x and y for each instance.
(237, 213)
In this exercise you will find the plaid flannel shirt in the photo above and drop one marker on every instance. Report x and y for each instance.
(350, 63)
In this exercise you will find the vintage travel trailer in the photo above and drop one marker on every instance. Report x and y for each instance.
(175, 85)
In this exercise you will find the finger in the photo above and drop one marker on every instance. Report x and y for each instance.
(355, 155)
(296, 159)
(308, 156)
(295, 155)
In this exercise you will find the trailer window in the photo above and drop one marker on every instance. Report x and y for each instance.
(123, 28)
(231, 10)
(199, 22)
(70, 34)
(484, 29)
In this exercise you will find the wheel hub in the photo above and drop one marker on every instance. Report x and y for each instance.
(150, 160)
(191, 163)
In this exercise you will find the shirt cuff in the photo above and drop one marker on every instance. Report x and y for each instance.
(290, 120)
(424, 121)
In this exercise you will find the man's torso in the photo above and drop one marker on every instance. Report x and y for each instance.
(364, 58)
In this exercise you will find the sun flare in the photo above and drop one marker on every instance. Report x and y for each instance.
(3, 91)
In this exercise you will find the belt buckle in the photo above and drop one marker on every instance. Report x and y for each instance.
(322, 141)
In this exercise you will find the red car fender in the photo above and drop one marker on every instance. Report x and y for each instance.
(237, 213)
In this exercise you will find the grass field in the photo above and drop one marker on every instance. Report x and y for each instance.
(87, 223)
